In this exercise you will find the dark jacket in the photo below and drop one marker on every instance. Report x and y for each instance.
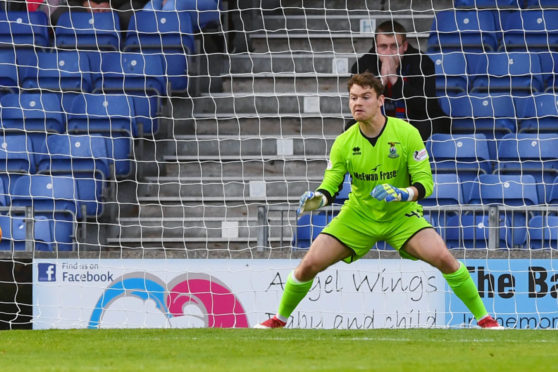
(412, 98)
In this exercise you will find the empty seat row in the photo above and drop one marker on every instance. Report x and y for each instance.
(71, 71)
(107, 113)
(497, 115)
(49, 234)
(484, 30)
(469, 156)
(512, 73)
(58, 202)
(503, 4)
(112, 116)
(462, 230)
(153, 29)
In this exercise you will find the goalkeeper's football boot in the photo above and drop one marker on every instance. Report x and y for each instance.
(489, 322)
(271, 323)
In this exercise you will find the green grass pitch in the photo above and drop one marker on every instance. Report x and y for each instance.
(279, 350)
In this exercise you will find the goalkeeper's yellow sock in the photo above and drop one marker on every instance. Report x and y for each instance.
(293, 294)
(464, 288)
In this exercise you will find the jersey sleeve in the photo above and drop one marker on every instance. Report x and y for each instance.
(418, 164)
(335, 171)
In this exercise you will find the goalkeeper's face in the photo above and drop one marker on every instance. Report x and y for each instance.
(365, 103)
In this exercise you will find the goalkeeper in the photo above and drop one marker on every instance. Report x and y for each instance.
(390, 171)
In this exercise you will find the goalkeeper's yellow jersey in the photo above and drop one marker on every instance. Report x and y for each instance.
(397, 157)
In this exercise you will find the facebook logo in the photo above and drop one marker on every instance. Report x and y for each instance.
(47, 272)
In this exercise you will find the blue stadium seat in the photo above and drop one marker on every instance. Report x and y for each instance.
(530, 153)
(88, 31)
(169, 35)
(76, 155)
(17, 158)
(56, 71)
(4, 194)
(466, 155)
(543, 232)
(14, 231)
(345, 190)
(515, 73)
(309, 227)
(451, 73)
(147, 110)
(495, 4)
(554, 192)
(202, 12)
(102, 113)
(529, 29)
(507, 190)
(83, 157)
(112, 116)
(541, 4)
(492, 115)
(473, 231)
(447, 191)
(120, 149)
(549, 67)
(35, 113)
(23, 29)
(60, 198)
(160, 31)
(17, 154)
(463, 30)
(47, 194)
(303, 235)
(8, 71)
(134, 73)
(538, 113)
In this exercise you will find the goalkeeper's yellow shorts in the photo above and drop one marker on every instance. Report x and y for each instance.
(360, 234)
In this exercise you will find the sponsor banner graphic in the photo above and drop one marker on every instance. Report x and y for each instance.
(147, 293)
(520, 293)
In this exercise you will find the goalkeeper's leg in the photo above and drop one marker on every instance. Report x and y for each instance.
(324, 252)
(428, 246)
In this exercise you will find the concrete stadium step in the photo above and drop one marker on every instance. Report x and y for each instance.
(174, 208)
(196, 228)
(276, 62)
(319, 42)
(285, 82)
(200, 145)
(291, 166)
(353, 21)
(244, 247)
(261, 125)
(226, 188)
(276, 103)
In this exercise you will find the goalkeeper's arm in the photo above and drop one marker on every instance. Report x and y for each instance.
(311, 200)
(391, 193)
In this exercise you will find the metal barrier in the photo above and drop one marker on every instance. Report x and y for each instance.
(498, 217)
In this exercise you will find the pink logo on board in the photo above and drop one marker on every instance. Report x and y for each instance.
(219, 306)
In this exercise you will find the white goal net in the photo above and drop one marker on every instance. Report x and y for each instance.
(152, 162)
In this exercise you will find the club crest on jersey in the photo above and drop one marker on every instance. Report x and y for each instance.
(392, 150)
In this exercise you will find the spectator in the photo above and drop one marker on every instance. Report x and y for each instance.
(408, 77)
(124, 8)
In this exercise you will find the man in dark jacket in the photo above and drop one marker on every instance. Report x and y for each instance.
(408, 77)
